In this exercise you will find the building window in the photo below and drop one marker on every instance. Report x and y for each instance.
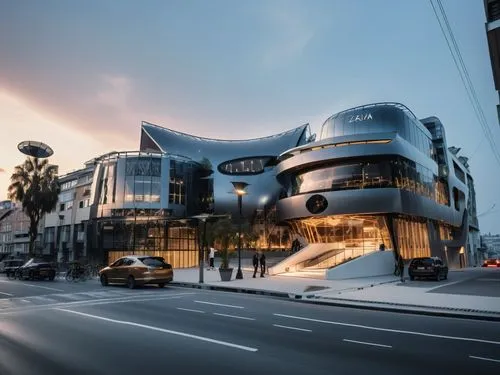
(68, 185)
(246, 166)
(143, 166)
(177, 188)
(459, 172)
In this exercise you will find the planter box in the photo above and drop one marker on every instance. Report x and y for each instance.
(226, 273)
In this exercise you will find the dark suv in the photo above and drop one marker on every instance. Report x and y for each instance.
(432, 267)
(36, 269)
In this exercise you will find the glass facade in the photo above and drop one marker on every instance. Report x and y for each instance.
(142, 179)
(246, 166)
(412, 236)
(398, 173)
(178, 245)
(177, 186)
(379, 119)
(350, 236)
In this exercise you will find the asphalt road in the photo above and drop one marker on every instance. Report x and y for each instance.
(483, 282)
(83, 328)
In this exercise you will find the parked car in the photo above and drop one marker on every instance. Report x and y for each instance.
(36, 269)
(432, 267)
(135, 270)
(492, 262)
(10, 264)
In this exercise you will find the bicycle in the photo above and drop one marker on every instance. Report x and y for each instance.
(73, 275)
(13, 274)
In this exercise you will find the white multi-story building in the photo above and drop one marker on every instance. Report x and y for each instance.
(65, 226)
(491, 242)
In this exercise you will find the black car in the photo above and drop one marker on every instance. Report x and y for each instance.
(36, 269)
(432, 267)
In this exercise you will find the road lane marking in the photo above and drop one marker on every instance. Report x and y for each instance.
(71, 296)
(53, 306)
(484, 359)
(234, 316)
(390, 330)
(23, 300)
(152, 328)
(43, 287)
(7, 294)
(368, 343)
(448, 284)
(192, 310)
(43, 299)
(294, 328)
(220, 304)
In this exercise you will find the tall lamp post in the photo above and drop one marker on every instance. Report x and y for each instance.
(204, 218)
(239, 190)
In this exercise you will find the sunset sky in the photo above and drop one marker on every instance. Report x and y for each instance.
(81, 75)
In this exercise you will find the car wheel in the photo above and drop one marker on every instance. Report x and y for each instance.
(104, 280)
(52, 276)
(161, 285)
(446, 276)
(131, 282)
(31, 275)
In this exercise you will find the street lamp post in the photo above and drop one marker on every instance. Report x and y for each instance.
(239, 189)
(203, 248)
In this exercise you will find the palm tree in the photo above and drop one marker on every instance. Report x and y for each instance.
(36, 186)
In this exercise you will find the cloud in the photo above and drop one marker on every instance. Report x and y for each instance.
(116, 92)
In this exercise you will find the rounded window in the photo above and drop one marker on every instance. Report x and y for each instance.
(246, 166)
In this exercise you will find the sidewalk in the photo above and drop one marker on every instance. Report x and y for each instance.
(379, 293)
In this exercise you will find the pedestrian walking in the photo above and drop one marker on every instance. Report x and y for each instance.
(401, 266)
(255, 262)
(262, 262)
(211, 258)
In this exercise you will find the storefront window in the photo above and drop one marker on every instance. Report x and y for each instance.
(399, 173)
(350, 236)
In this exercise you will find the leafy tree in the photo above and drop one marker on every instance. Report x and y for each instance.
(225, 234)
(36, 186)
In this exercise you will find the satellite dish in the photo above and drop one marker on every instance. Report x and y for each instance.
(35, 149)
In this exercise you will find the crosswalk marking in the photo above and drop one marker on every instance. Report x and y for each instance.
(70, 296)
(43, 299)
(75, 297)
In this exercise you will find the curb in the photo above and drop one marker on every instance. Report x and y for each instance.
(356, 304)
(409, 309)
(261, 292)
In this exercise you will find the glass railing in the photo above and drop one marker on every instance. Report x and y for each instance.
(333, 258)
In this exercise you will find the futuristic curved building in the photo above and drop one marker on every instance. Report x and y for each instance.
(138, 200)
(251, 161)
(377, 175)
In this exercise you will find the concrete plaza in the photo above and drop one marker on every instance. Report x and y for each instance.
(473, 291)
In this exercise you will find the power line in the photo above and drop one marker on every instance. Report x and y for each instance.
(465, 78)
(477, 148)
